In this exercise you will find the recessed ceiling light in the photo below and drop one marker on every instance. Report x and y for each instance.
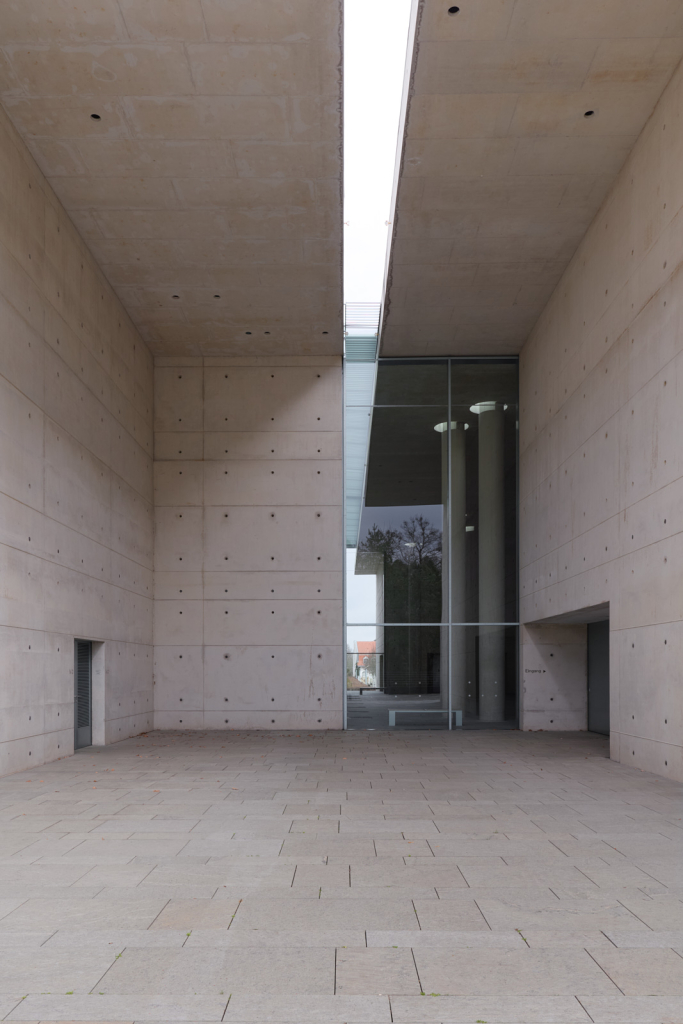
(96, 117)
(453, 10)
(266, 332)
(175, 296)
(589, 113)
(247, 332)
(216, 296)
(326, 332)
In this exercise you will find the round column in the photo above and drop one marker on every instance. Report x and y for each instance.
(491, 562)
(453, 664)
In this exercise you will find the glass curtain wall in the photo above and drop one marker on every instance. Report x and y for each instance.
(431, 587)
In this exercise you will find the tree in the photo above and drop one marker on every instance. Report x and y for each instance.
(385, 542)
(412, 594)
(412, 569)
(421, 541)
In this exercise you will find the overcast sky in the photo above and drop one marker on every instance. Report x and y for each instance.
(375, 38)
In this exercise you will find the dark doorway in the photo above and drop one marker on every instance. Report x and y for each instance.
(82, 693)
(598, 677)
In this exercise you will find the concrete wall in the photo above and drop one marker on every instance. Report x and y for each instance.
(248, 543)
(75, 479)
(554, 684)
(601, 423)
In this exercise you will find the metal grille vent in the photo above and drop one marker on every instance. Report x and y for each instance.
(83, 662)
(362, 317)
(361, 349)
(361, 328)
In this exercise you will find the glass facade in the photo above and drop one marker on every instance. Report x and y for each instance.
(431, 589)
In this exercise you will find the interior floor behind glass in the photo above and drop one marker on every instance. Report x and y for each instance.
(370, 710)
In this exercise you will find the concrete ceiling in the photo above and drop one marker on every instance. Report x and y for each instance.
(501, 173)
(209, 190)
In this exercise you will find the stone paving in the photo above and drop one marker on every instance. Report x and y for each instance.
(342, 878)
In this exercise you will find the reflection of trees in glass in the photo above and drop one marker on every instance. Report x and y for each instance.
(412, 569)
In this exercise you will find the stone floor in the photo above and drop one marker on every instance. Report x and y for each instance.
(319, 878)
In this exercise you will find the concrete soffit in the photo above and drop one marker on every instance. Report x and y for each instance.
(197, 146)
(519, 115)
(580, 616)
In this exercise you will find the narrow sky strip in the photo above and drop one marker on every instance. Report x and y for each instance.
(375, 42)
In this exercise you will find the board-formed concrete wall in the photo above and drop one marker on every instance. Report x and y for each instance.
(601, 452)
(75, 480)
(248, 543)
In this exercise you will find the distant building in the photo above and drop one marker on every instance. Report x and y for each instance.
(365, 662)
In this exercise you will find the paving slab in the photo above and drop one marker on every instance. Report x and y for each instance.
(9, 1002)
(563, 915)
(113, 875)
(272, 937)
(86, 914)
(446, 939)
(116, 939)
(634, 1010)
(199, 971)
(491, 1009)
(103, 1008)
(511, 972)
(189, 914)
(163, 893)
(370, 892)
(376, 971)
(304, 915)
(645, 939)
(56, 970)
(465, 915)
(538, 939)
(308, 1010)
(660, 912)
(642, 972)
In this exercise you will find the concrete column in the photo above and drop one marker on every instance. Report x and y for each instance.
(453, 496)
(491, 562)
